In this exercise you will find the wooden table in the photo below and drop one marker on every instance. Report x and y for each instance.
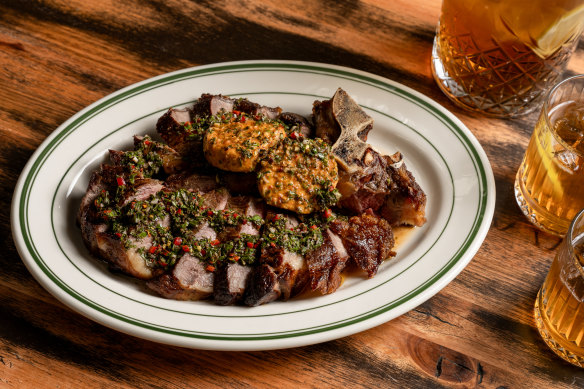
(57, 57)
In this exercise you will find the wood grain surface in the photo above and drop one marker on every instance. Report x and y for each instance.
(57, 57)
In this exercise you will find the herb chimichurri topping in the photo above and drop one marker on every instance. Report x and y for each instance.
(144, 161)
(164, 226)
(299, 175)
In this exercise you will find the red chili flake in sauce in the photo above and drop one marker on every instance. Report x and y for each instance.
(120, 181)
(177, 241)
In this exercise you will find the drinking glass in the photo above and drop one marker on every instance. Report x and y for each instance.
(549, 186)
(559, 306)
(499, 57)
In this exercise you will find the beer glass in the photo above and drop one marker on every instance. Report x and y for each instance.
(549, 186)
(499, 57)
(559, 307)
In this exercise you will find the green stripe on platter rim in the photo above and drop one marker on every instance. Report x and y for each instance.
(77, 120)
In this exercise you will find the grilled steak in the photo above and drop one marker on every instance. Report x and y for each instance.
(367, 179)
(163, 213)
(326, 263)
(405, 203)
(188, 280)
(368, 240)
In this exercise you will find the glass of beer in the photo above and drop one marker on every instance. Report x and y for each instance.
(549, 186)
(499, 57)
(559, 307)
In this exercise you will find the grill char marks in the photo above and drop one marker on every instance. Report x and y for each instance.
(406, 202)
(368, 240)
(231, 280)
(326, 263)
(367, 187)
(188, 280)
(173, 128)
(211, 105)
(281, 273)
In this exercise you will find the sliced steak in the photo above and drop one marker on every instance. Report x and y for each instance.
(99, 181)
(244, 206)
(231, 280)
(244, 105)
(177, 129)
(128, 260)
(194, 182)
(212, 200)
(367, 180)
(172, 161)
(406, 202)
(298, 124)
(326, 263)
(100, 240)
(209, 104)
(188, 280)
(366, 187)
(142, 190)
(368, 240)
(281, 274)
(263, 286)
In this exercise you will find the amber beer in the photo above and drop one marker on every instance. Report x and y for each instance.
(499, 57)
(549, 186)
(559, 307)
